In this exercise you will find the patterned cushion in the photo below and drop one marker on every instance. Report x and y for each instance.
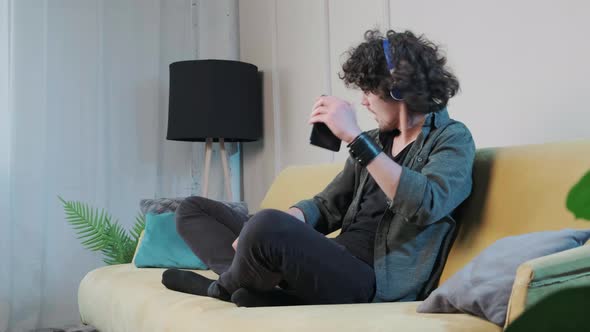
(163, 205)
(68, 328)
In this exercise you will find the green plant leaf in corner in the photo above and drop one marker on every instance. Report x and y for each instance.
(91, 224)
(119, 248)
(99, 232)
(578, 199)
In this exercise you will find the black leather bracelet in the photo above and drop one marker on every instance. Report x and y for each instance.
(363, 149)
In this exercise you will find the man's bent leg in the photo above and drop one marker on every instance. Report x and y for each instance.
(209, 228)
(276, 246)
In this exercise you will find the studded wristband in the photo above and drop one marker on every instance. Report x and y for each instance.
(363, 149)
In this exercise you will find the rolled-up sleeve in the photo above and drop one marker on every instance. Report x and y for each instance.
(442, 184)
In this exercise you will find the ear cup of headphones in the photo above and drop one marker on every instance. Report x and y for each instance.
(396, 95)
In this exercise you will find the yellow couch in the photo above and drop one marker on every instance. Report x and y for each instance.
(516, 190)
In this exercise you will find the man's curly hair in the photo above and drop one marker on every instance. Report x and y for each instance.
(420, 73)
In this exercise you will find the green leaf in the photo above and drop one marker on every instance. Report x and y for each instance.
(578, 199)
(86, 222)
(99, 233)
(119, 243)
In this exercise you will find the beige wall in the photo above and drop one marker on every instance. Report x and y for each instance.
(522, 65)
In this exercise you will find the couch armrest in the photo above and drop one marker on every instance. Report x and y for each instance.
(545, 275)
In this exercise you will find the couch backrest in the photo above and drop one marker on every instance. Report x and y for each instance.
(516, 190)
(296, 183)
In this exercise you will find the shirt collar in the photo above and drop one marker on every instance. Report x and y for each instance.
(386, 136)
(437, 119)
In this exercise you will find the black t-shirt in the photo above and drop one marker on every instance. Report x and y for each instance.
(359, 237)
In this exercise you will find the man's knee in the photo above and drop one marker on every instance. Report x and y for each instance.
(265, 225)
(195, 204)
(187, 210)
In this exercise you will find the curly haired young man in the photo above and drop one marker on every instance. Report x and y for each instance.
(392, 201)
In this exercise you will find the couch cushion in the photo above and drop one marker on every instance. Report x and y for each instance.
(539, 277)
(517, 190)
(125, 298)
(295, 183)
(163, 205)
(161, 245)
(483, 286)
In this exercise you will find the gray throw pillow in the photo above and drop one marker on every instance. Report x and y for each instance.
(163, 205)
(482, 288)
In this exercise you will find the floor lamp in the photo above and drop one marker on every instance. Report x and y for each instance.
(214, 101)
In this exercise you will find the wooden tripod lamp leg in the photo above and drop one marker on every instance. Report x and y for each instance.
(225, 171)
(207, 166)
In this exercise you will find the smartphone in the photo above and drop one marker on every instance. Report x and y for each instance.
(323, 137)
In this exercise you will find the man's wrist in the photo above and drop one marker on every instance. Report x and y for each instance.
(353, 135)
(363, 149)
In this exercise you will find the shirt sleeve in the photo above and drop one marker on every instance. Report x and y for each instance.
(444, 182)
(326, 210)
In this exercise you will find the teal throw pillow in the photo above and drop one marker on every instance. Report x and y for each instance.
(163, 247)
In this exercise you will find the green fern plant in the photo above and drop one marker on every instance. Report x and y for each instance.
(99, 232)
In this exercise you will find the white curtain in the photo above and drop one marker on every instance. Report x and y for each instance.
(5, 144)
(84, 95)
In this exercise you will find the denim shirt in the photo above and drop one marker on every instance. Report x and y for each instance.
(416, 232)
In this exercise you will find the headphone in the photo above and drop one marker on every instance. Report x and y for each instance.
(394, 93)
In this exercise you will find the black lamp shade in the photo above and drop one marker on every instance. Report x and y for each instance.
(214, 99)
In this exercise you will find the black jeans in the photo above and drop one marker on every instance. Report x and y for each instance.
(275, 248)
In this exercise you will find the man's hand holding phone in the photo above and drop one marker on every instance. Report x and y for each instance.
(338, 116)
